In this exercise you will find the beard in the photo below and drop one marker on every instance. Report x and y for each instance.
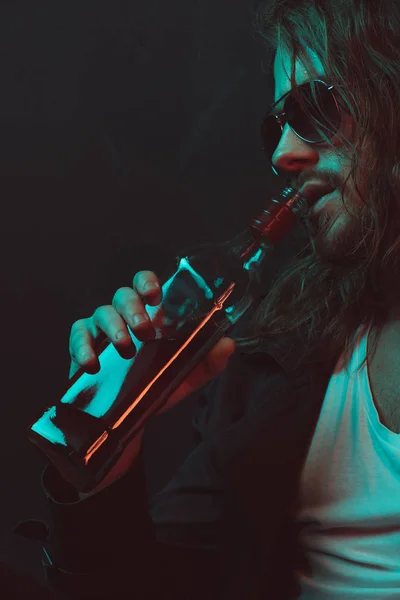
(338, 236)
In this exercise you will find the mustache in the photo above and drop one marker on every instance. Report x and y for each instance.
(322, 176)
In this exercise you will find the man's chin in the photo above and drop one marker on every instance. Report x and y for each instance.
(335, 240)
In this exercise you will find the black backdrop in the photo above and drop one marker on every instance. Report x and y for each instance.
(128, 129)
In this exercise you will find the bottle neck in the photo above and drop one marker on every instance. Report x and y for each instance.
(270, 226)
(280, 215)
(249, 247)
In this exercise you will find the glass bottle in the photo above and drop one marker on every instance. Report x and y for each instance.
(204, 293)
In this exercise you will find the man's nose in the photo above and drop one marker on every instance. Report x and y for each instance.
(293, 154)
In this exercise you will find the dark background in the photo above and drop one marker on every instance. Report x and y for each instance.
(128, 130)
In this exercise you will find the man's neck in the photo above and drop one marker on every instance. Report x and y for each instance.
(393, 321)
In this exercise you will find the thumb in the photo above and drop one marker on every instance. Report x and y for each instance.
(216, 360)
(213, 364)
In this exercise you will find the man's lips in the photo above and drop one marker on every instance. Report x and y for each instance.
(320, 204)
(313, 191)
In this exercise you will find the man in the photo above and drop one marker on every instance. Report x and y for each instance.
(292, 490)
(337, 230)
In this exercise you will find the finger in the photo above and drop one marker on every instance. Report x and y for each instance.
(82, 345)
(148, 286)
(217, 359)
(214, 363)
(108, 320)
(129, 305)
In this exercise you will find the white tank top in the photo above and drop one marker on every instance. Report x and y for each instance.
(350, 493)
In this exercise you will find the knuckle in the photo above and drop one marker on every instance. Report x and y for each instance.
(135, 306)
(105, 320)
(78, 331)
(130, 306)
(96, 313)
(136, 317)
(100, 313)
(121, 296)
(77, 326)
(142, 278)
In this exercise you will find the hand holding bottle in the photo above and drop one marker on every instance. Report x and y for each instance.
(107, 322)
(111, 395)
(129, 308)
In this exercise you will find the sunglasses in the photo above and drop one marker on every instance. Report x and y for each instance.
(317, 111)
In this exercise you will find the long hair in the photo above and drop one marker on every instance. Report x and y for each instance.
(358, 43)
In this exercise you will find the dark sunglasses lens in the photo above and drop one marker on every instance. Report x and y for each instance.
(316, 113)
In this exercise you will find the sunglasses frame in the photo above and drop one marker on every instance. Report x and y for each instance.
(282, 120)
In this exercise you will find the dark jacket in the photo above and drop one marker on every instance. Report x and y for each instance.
(224, 527)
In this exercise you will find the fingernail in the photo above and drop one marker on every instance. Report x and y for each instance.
(85, 356)
(139, 319)
(151, 287)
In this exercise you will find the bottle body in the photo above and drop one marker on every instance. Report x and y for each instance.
(205, 293)
(86, 432)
